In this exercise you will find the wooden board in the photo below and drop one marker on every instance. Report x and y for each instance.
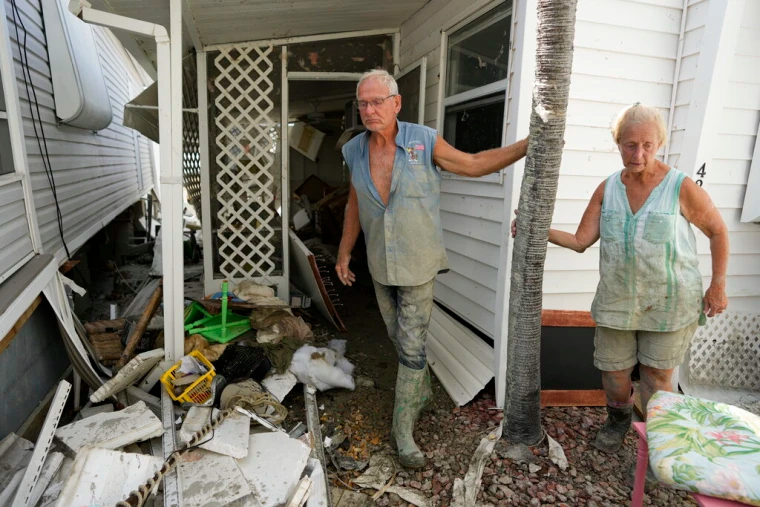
(566, 318)
(6, 341)
(576, 398)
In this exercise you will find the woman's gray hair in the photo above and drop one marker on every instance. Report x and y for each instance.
(638, 114)
(382, 76)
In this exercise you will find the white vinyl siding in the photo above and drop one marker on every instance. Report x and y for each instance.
(612, 38)
(15, 240)
(95, 173)
(726, 177)
(471, 210)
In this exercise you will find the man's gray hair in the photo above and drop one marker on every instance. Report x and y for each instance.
(382, 76)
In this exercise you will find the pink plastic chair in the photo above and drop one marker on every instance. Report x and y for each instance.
(642, 462)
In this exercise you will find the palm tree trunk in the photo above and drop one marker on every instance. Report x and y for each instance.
(554, 58)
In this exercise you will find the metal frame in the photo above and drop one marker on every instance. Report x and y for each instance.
(422, 64)
(285, 176)
(306, 38)
(474, 12)
(16, 128)
(208, 247)
(323, 76)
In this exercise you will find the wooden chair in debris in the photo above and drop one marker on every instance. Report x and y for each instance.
(710, 449)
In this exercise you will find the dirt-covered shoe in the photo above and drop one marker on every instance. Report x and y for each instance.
(611, 435)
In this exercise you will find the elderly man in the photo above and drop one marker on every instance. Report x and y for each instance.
(394, 198)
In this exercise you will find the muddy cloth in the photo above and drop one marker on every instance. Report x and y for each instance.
(404, 238)
(406, 312)
(281, 354)
(649, 277)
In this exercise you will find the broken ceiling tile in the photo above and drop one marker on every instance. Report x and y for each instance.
(318, 496)
(280, 384)
(274, 466)
(230, 438)
(131, 373)
(95, 410)
(53, 491)
(209, 478)
(15, 453)
(112, 430)
(105, 477)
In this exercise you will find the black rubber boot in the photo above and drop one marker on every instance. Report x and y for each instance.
(611, 436)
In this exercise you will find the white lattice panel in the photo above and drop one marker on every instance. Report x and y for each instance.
(191, 159)
(246, 146)
(726, 352)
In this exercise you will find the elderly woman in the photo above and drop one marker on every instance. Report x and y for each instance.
(649, 298)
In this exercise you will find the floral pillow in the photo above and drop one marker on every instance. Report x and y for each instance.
(704, 447)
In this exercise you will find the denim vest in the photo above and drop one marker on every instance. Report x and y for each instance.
(649, 278)
(404, 239)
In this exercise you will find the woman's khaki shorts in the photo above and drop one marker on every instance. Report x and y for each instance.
(615, 349)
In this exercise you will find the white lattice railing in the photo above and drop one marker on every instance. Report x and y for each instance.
(245, 162)
(191, 159)
(726, 352)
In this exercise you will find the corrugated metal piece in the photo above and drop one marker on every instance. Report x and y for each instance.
(461, 360)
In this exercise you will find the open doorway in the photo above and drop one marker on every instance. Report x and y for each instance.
(318, 127)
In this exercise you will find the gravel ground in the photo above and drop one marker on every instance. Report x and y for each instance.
(449, 435)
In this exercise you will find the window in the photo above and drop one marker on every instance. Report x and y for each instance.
(478, 52)
(477, 66)
(475, 125)
(6, 152)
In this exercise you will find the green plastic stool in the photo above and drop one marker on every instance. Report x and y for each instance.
(220, 328)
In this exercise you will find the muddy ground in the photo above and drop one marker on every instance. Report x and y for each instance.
(448, 435)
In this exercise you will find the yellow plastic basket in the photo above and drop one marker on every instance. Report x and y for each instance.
(197, 392)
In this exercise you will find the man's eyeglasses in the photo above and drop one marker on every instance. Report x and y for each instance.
(375, 103)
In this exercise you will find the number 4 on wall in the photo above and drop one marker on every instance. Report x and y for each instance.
(701, 173)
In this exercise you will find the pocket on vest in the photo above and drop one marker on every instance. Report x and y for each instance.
(659, 227)
(611, 227)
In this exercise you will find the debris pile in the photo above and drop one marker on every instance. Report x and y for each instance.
(222, 403)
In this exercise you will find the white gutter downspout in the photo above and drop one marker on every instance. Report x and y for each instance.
(169, 63)
(676, 77)
(170, 143)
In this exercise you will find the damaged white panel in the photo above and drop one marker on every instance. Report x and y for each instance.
(460, 359)
(209, 478)
(112, 430)
(274, 466)
(98, 409)
(15, 453)
(53, 491)
(152, 378)
(42, 446)
(131, 373)
(49, 470)
(318, 496)
(280, 384)
(230, 438)
(104, 477)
